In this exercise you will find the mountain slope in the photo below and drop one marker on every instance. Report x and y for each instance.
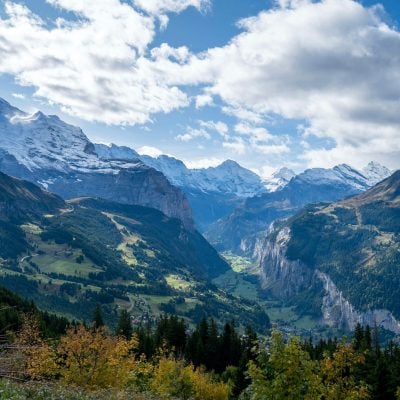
(344, 257)
(58, 156)
(238, 232)
(68, 256)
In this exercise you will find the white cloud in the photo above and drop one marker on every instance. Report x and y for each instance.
(257, 133)
(18, 95)
(204, 130)
(243, 114)
(93, 67)
(193, 133)
(157, 7)
(331, 63)
(149, 151)
(203, 162)
(217, 126)
(238, 146)
(266, 171)
(203, 100)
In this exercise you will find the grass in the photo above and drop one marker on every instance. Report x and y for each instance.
(50, 391)
(237, 263)
(64, 264)
(32, 229)
(178, 283)
(234, 282)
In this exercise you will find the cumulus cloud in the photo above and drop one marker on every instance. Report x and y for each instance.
(149, 151)
(203, 100)
(90, 66)
(217, 126)
(204, 130)
(157, 7)
(204, 162)
(332, 63)
(193, 133)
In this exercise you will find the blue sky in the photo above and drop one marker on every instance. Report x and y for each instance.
(268, 83)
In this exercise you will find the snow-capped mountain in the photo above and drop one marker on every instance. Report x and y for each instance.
(39, 141)
(346, 175)
(279, 179)
(45, 150)
(228, 177)
(114, 152)
(212, 192)
(375, 172)
(238, 232)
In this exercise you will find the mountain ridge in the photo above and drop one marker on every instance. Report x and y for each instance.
(342, 257)
(59, 157)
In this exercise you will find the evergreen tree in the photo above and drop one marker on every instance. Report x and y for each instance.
(124, 327)
(98, 321)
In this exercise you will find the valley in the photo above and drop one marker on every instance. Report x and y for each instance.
(124, 232)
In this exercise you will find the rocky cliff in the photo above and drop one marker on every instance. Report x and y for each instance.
(342, 257)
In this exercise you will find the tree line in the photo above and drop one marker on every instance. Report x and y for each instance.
(171, 360)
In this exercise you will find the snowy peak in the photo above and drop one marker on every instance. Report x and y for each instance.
(346, 175)
(375, 172)
(284, 173)
(45, 142)
(38, 141)
(114, 152)
(352, 176)
(227, 178)
(279, 179)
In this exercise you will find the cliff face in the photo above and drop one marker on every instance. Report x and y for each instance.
(136, 185)
(287, 278)
(139, 186)
(284, 278)
(337, 311)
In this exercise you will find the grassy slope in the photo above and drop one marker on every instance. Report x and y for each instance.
(122, 257)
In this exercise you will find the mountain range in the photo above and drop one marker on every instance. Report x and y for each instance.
(239, 231)
(82, 223)
(60, 158)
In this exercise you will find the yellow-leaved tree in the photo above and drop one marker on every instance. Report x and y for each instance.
(39, 355)
(93, 359)
(174, 379)
(338, 373)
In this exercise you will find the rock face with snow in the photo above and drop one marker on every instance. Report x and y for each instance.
(279, 179)
(58, 156)
(375, 172)
(212, 192)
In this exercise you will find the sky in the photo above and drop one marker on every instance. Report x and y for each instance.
(268, 83)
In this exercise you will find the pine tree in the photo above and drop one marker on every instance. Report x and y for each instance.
(98, 321)
(124, 327)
